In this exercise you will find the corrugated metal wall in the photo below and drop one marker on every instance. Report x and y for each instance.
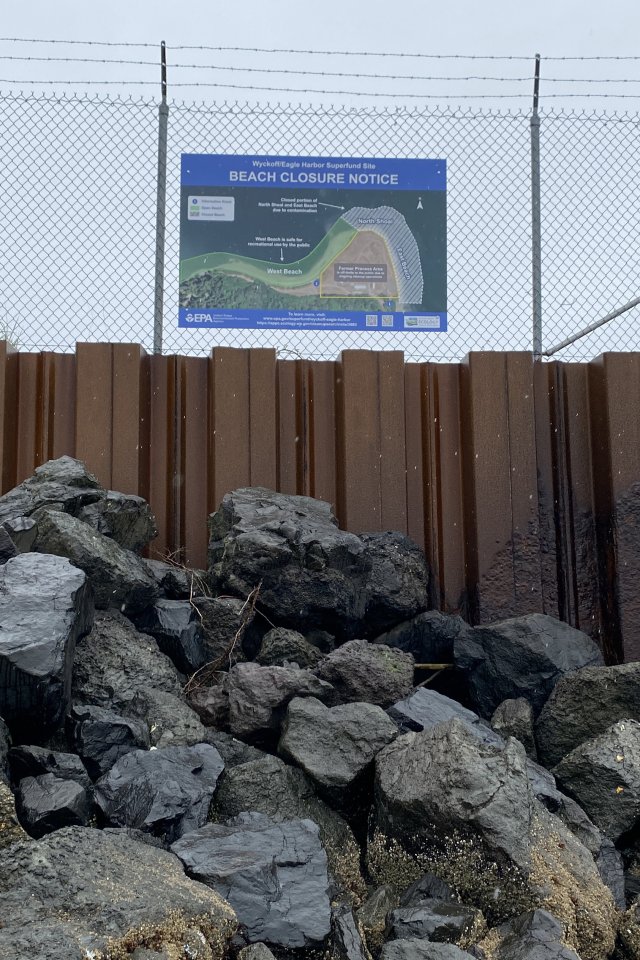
(521, 480)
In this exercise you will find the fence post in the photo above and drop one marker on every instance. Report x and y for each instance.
(161, 205)
(536, 231)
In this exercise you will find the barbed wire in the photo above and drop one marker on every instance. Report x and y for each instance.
(325, 53)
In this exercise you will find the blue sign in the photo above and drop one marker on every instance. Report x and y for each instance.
(317, 243)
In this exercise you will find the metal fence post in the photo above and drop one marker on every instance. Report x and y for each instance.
(161, 205)
(536, 231)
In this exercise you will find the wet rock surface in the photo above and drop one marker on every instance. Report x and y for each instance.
(175, 625)
(45, 607)
(399, 582)
(274, 875)
(117, 576)
(280, 646)
(101, 737)
(522, 657)
(166, 791)
(47, 803)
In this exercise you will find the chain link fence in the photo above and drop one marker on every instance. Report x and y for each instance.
(78, 209)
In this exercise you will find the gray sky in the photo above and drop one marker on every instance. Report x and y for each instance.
(498, 27)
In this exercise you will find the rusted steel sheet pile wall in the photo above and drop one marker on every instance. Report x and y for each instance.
(521, 480)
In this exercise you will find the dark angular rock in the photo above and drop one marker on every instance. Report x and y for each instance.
(398, 586)
(514, 718)
(175, 624)
(446, 779)
(258, 697)
(368, 672)
(335, 746)
(274, 875)
(536, 935)
(427, 887)
(53, 902)
(120, 669)
(45, 607)
(176, 582)
(267, 785)
(429, 637)
(46, 803)
(167, 791)
(442, 921)
(603, 775)
(63, 484)
(122, 517)
(583, 705)
(23, 532)
(347, 943)
(281, 646)
(31, 761)
(226, 626)
(416, 949)
(118, 577)
(101, 737)
(425, 708)
(312, 573)
(522, 657)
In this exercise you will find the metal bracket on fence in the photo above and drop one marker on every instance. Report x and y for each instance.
(161, 204)
(591, 327)
(536, 229)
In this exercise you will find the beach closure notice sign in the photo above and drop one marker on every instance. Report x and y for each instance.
(317, 243)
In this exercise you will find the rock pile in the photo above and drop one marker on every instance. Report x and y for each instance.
(262, 760)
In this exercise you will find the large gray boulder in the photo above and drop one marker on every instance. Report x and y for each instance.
(463, 809)
(118, 577)
(603, 774)
(274, 875)
(311, 573)
(67, 896)
(167, 792)
(368, 672)
(122, 670)
(399, 583)
(447, 781)
(281, 792)
(63, 484)
(335, 746)
(45, 607)
(583, 705)
(522, 657)
(258, 697)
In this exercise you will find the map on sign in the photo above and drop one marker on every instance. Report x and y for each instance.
(313, 242)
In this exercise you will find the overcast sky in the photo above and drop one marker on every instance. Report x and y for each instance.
(497, 27)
